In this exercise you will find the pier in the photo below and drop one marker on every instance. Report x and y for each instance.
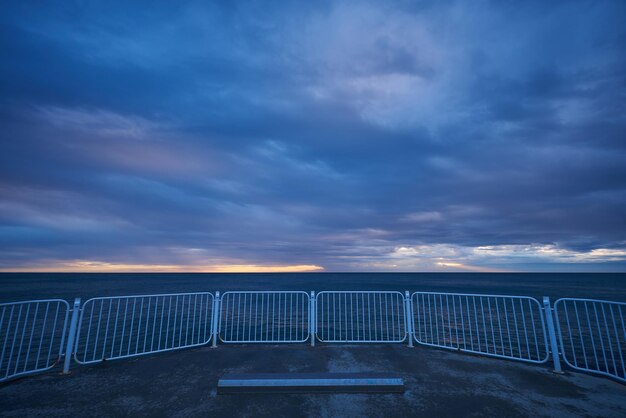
(453, 353)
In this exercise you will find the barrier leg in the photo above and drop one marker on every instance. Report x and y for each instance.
(312, 319)
(554, 348)
(215, 322)
(408, 317)
(71, 337)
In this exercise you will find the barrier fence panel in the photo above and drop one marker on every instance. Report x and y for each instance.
(510, 327)
(31, 336)
(126, 326)
(361, 316)
(592, 335)
(264, 317)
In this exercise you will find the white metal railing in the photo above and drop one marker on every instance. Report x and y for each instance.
(34, 335)
(592, 334)
(264, 317)
(127, 326)
(360, 316)
(31, 336)
(509, 327)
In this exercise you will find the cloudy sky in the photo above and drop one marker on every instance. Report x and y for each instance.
(336, 135)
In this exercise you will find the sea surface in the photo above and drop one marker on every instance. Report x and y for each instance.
(27, 286)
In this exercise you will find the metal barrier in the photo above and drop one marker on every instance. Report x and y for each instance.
(127, 326)
(264, 317)
(361, 317)
(509, 327)
(592, 334)
(31, 336)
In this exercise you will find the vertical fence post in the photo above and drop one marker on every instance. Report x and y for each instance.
(72, 335)
(312, 319)
(554, 348)
(408, 316)
(215, 323)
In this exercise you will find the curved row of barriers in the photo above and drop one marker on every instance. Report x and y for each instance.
(587, 335)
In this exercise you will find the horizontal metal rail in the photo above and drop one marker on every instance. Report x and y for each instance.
(31, 336)
(264, 317)
(127, 326)
(360, 317)
(510, 327)
(592, 335)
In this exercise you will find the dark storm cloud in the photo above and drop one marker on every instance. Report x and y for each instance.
(352, 135)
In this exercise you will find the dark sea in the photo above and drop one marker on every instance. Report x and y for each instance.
(26, 286)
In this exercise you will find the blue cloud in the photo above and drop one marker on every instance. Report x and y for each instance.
(334, 134)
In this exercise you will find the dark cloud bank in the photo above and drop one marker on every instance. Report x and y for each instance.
(350, 135)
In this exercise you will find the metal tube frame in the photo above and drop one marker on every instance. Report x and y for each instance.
(560, 332)
(271, 312)
(152, 351)
(473, 349)
(377, 311)
(58, 351)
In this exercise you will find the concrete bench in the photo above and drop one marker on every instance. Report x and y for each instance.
(310, 383)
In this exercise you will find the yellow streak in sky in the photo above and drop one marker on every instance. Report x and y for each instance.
(466, 267)
(103, 267)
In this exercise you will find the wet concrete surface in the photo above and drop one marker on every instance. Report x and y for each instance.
(438, 384)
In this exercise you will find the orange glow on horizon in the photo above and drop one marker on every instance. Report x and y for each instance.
(103, 267)
(465, 267)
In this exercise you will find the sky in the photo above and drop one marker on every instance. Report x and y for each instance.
(313, 136)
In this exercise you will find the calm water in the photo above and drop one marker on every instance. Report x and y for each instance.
(23, 286)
